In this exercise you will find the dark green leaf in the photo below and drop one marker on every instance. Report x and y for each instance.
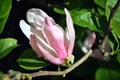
(84, 18)
(5, 7)
(73, 4)
(107, 74)
(6, 46)
(29, 60)
(118, 55)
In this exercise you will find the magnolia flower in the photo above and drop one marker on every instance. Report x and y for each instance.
(98, 53)
(47, 38)
(88, 43)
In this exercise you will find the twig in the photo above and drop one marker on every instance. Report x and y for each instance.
(113, 10)
(64, 72)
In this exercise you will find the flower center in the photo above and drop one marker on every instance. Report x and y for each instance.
(68, 61)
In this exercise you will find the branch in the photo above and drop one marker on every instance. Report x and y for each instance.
(113, 10)
(64, 72)
(16, 75)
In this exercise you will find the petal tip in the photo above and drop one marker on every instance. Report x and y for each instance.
(25, 28)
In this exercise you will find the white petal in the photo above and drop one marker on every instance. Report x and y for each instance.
(84, 49)
(33, 12)
(67, 34)
(30, 17)
(26, 29)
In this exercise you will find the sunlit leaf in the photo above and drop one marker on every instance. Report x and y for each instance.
(29, 60)
(84, 18)
(6, 46)
(107, 74)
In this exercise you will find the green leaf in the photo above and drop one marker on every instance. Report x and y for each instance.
(29, 60)
(2, 23)
(109, 3)
(84, 18)
(58, 10)
(6, 46)
(101, 11)
(107, 74)
(115, 22)
(101, 3)
(5, 7)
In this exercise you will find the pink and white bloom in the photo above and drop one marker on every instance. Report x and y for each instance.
(47, 38)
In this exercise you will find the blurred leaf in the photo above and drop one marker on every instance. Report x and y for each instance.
(107, 74)
(73, 4)
(5, 7)
(117, 41)
(118, 56)
(84, 18)
(101, 3)
(109, 3)
(101, 11)
(1, 75)
(58, 10)
(111, 44)
(115, 22)
(79, 33)
(6, 46)
(29, 60)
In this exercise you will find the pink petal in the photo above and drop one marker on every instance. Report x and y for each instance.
(56, 37)
(39, 34)
(71, 31)
(44, 51)
(90, 40)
